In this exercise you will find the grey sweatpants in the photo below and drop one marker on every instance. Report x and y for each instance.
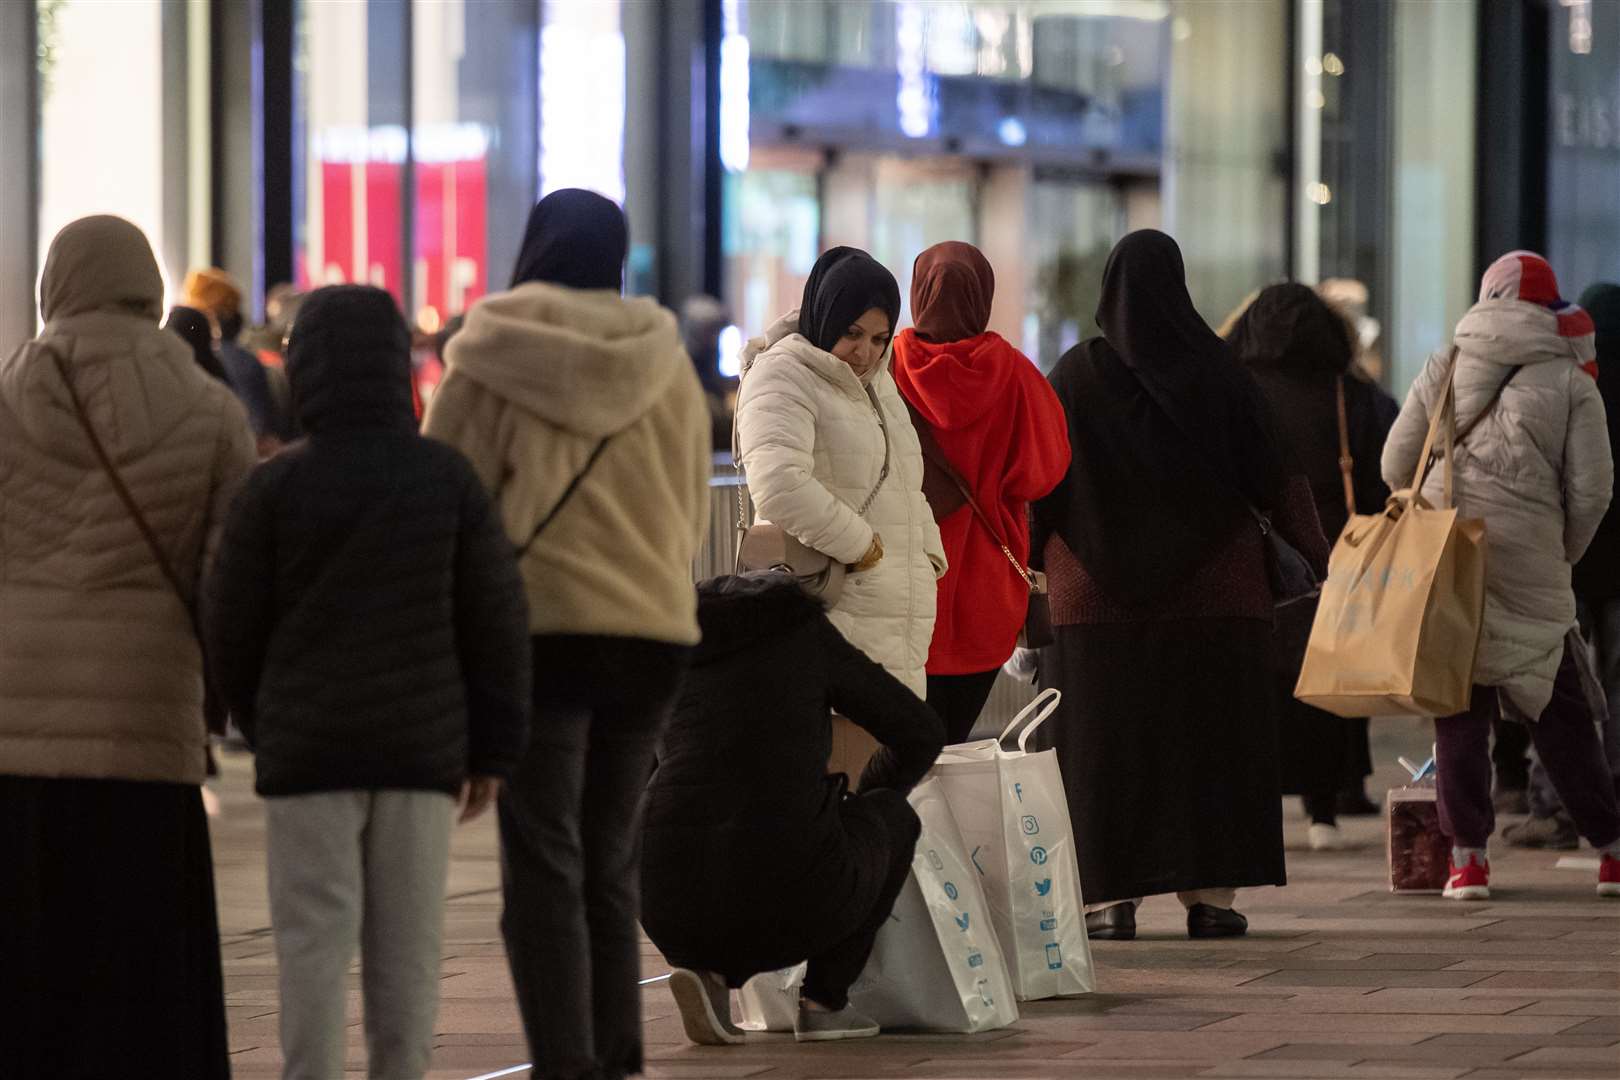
(366, 868)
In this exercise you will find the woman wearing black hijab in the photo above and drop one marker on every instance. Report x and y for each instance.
(584, 418)
(192, 327)
(832, 458)
(1300, 353)
(1162, 607)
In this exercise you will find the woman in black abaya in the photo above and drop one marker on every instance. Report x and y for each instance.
(1161, 602)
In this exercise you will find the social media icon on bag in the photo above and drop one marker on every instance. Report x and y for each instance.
(1054, 957)
(934, 860)
(950, 890)
(962, 921)
(1030, 825)
(975, 959)
(1048, 925)
(1037, 855)
(1043, 886)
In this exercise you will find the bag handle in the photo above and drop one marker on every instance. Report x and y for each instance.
(1446, 411)
(130, 505)
(1044, 705)
(1347, 463)
(967, 494)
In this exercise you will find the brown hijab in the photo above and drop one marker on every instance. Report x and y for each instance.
(101, 263)
(951, 289)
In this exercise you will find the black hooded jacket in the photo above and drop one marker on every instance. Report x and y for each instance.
(741, 813)
(365, 618)
(1297, 348)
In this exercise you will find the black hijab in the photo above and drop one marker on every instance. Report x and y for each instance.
(1169, 435)
(845, 284)
(575, 238)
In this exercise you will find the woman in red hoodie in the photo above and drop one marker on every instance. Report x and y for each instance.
(992, 427)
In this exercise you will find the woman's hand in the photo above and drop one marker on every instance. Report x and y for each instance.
(873, 556)
(477, 794)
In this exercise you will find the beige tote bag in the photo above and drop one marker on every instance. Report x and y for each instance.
(1397, 629)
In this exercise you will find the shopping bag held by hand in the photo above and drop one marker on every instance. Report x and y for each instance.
(1014, 817)
(1397, 629)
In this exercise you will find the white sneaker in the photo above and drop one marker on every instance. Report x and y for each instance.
(1327, 837)
(816, 1026)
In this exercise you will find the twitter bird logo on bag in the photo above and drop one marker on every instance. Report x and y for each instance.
(1043, 886)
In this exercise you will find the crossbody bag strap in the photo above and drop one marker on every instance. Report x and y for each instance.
(568, 493)
(130, 505)
(1023, 571)
(1347, 463)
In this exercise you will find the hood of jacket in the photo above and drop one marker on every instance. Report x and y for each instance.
(588, 361)
(737, 613)
(783, 336)
(952, 384)
(1517, 333)
(349, 361)
(137, 381)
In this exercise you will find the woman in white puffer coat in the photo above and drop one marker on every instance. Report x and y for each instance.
(1537, 468)
(818, 415)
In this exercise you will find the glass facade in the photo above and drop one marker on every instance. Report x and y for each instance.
(1583, 175)
(1041, 131)
(102, 126)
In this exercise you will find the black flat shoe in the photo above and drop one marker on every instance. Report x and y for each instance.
(1204, 921)
(1353, 802)
(1114, 923)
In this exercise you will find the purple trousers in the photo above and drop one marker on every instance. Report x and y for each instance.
(1566, 740)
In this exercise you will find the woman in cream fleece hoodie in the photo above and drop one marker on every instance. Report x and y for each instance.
(583, 415)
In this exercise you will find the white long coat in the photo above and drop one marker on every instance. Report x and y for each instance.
(813, 449)
(1537, 469)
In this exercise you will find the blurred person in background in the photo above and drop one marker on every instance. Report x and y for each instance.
(216, 294)
(108, 926)
(581, 413)
(1538, 469)
(703, 319)
(831, 456)
(194, 328)
(988, 422)
(1162, 605)
(1300, 353)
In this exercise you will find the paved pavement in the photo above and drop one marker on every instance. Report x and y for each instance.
(1337, 978)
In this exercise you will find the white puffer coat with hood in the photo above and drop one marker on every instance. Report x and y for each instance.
(1537, 469)
(813, 450)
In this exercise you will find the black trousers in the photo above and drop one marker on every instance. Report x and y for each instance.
(832, 971)
(109, 938)
(959, 699)
(570, 823)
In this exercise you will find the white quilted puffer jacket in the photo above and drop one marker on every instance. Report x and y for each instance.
(812, 447)
(1538, 471)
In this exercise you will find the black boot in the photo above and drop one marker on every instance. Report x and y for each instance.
(1204, 921)
(1114, 923)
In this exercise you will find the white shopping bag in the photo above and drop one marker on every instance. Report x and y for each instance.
(936, 965)
(770, 1000)
(1014, 819)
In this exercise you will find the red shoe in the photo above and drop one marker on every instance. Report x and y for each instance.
(1472, 882)
(1609, 876)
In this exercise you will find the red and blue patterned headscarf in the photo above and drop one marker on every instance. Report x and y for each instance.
(1526, 277)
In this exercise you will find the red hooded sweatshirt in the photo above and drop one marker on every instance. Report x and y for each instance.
(1002, 429)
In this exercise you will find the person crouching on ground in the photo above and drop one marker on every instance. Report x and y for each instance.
(1538, 468)
(754, 858)
(367, 625)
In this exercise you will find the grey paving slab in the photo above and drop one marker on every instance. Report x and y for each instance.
(1337, 979)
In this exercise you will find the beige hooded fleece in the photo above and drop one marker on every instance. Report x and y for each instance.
(541, 378)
